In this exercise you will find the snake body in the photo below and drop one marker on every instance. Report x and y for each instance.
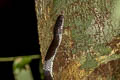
(52, 50)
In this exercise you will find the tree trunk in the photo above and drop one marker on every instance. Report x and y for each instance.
(90, 47)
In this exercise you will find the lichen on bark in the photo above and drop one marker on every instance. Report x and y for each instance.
(91, 36)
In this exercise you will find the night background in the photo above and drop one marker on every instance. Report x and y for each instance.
(18, 31)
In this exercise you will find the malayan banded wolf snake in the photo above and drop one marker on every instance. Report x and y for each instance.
(52, 50)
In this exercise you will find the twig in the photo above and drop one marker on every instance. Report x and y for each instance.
(7, 59)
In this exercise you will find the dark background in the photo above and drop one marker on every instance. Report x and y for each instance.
(18, 28)
(18, 34)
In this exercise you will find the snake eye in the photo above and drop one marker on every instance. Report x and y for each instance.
(60, 17)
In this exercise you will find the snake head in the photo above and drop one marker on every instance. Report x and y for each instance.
(59, 25)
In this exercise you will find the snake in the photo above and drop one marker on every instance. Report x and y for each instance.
(52, 50)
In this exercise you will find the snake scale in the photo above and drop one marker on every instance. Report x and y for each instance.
(52, 50)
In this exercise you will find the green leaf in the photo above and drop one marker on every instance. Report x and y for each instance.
(23, 74)
(21, 62)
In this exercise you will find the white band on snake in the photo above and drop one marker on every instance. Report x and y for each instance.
(52, 50)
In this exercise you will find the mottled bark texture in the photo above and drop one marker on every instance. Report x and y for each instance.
(91, 37)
